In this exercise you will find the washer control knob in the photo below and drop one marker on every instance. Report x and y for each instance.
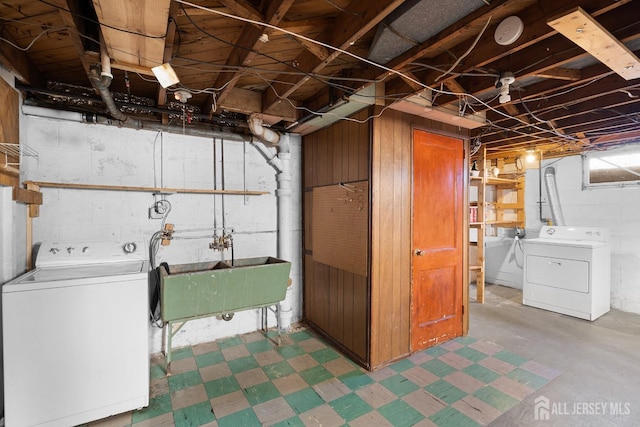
(85, 249)
(70, 249)
(129, 248)
(54, 250)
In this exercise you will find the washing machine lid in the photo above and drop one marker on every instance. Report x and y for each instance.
(79, 275)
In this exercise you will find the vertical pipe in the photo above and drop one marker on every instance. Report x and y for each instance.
(284, 224)
(554, 198)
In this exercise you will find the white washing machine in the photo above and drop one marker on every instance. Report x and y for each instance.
(75, 335)
(568, 270)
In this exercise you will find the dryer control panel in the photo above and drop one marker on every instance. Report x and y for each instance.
(77, 253)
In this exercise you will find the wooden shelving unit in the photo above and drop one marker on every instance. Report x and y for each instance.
(500, 204)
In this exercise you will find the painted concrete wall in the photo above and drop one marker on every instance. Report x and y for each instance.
(74, 152)
(613, 208)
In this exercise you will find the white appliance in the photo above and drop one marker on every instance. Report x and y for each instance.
(568, 270)
(75, 335)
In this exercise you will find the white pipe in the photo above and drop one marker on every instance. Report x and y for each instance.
(284, 194)
(257, 128)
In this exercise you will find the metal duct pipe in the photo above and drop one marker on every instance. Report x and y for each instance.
(100, 78)
(552, 194)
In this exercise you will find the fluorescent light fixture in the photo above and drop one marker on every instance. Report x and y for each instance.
(165, 75)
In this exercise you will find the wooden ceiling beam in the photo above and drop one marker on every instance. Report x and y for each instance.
(560, 73)
(552, 52)
(19, 64)
(247, 47)
(242, 9)
(348, 29)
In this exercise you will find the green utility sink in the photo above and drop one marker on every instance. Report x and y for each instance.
(208, 289)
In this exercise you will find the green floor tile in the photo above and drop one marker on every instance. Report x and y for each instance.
(157, 406)
(481, 373)
(527, 378)
(465, 340)
(261, 393)
(354, 382)
(229, 342)
(208, 359)
(245, 417)
(350, 407)
(438, 367)
(402, 365)
(291, 351)
(259, 346)
(221, 386)
(496, 398)
(400, 414)
(300, 336)
(508, 357)
(278, 370)
(291, 422)
(181, 353)
(450, 417)
(446, 392)
(436, 351)
(315, 375)
(184, 380)
(304, 400)
(157, 371)
(325, 355)
(242, 364)
(471, 354)
(399, 385)
(193, 416)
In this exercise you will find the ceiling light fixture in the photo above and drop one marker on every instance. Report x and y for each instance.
(166, 75)
(503, 83)
(531, 156)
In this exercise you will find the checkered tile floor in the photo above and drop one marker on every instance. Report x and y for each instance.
(247, 380)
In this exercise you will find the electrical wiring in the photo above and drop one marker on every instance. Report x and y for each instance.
(343, 10)
(464, 74)
(464, 55)
(24, 49)
(372, 63)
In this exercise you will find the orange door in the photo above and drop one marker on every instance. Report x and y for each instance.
(436, 296)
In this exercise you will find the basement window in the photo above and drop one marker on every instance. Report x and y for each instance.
(613, 168)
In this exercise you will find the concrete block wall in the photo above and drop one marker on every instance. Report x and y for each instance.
(613, 208)
(74, 152)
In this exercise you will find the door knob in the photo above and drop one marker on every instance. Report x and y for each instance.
(419, 252)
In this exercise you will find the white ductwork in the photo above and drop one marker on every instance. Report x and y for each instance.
(552, 193)
(280, 160)
(264, 134)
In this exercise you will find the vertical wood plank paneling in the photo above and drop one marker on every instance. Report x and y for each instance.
(360, 332)
(309, 288)
(348, 308)
(321, 153)
(307, 156)
(354, 129)
(330, 140)
(338, 141)
(308, 218)
(363, 146)
(335, 320)
(391, 188)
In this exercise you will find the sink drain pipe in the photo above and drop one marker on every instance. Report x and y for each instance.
(278, 155)
(554, 198)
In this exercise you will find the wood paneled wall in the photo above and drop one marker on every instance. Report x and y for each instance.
(369, 316)
(336, 301)
(391, 251)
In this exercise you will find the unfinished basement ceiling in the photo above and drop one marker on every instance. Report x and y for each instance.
(414, 22)
(293, 61)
